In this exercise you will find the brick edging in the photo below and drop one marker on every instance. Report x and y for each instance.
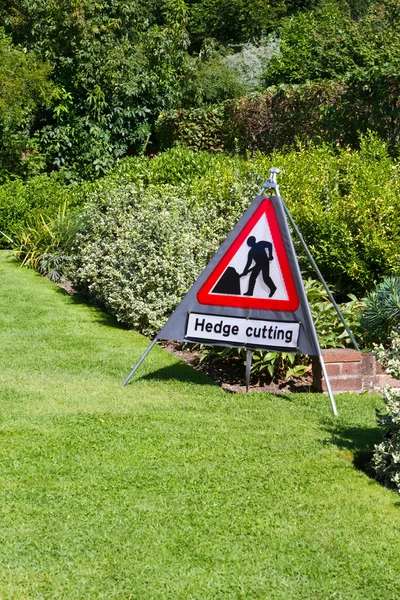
(350, 371)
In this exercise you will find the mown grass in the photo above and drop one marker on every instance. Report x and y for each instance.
(171, 488)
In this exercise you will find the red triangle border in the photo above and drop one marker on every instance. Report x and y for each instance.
(204, 295)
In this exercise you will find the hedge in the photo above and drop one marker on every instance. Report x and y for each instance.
(143, 247)
(286, 115)
(149, 232)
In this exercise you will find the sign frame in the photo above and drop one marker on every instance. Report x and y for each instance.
(307, 333)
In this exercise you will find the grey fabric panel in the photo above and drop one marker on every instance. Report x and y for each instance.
(175, 328)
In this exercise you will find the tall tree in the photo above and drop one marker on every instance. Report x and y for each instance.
(116, 66)
(328, 43)
(239, 21)
(24, 89)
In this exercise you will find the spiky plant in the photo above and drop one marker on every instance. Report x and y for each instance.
(45, 244)
(381, 311)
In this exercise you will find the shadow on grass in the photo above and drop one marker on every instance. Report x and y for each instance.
(360, 442)
(355, 438)
(178, 372)
(187, 374)
(99, 315)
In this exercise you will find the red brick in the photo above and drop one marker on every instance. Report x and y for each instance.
(333, 369)
(351, 369)
(368, 364)
(337, 355)
(379, 369)
(383, 380)
(369, 383)
(344, 384)
(380, 381)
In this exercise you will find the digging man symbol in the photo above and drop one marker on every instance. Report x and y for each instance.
(261, 254)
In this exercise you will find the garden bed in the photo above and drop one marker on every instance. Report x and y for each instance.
(230, 375)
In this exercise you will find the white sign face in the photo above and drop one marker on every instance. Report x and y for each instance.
(255, 271)
(241, 331)
(268, 280)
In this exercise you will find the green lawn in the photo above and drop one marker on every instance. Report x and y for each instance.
(171, 488)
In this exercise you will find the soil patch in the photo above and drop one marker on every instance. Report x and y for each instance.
(67, 286)
(230, 375)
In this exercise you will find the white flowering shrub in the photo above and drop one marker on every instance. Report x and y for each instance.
(386, 457)
(251, 61)
(143, 247)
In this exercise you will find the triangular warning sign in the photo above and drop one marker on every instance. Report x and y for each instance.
(255, 271)
(251, 293)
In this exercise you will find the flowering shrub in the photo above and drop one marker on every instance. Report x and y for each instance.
(143, 247)
(386, 458)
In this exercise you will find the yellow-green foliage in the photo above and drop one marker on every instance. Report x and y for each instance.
(21, 203)
(154, 224)
(347, 206)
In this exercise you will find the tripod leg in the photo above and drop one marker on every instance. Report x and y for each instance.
(141, 359)
(328, 385)
(249, 359)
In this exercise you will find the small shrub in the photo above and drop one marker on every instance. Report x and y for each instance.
(54, 265)
(197, 128)
(250, 62)
(43, 194)
(386, 457)
(266, 365)
(381, 311)
(216, 81)
(330, 329)
(45, 243)
(175, 166)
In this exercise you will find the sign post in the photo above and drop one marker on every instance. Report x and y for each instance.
(251, 293)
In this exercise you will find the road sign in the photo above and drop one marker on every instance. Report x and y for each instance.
(244, 332)
(255, 271)
(251, 292)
